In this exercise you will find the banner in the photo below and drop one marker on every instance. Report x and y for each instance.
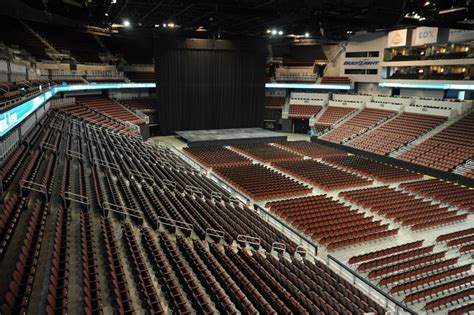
(397, 38)
(456, 36)
(425, 35)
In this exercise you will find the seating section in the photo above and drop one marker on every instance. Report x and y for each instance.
(81, 45)
(379, 171)
(266, 153)
(335, 80)
(275, 102)
(303, 111)
(211, 156)
(14, 34)
(136, 76)
(462, 240)
(396, 133)
(314, 150)
(403, 207)
(109, 108)
(447, 149)
(96, 118)
(321, 175)
(330, 222)
(260, 183)
(146, 106)
(358, 124)
(332, 115)
(443, 191)
(418, 274)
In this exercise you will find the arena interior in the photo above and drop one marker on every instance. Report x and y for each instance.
(236, 157)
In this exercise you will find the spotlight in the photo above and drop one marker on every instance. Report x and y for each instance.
(280, 32)
(164, 25)
(269, 31)
(349, 32)
(126, 23)
(306, 34)
(427, 3)
(274, 32)
(156, 25)
(106, 14)
(113, 1)
(170, 25)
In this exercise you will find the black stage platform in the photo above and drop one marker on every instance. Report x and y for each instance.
(229, 136)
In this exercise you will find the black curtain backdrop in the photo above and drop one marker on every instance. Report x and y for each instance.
(209, 84)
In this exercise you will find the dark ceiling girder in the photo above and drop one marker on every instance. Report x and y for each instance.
(150, 12)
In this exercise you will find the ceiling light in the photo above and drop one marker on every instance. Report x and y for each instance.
(156, 25)
(427, 3)
(269, 31)
(306, 34)
(171, 25)
(349, 32)
(126, 23)
(274, 32)
(452, 10)
(164, 25)
(106, 14)
(280, 32)
(113, 1)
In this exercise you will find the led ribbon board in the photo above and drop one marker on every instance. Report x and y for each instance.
(435, 86)
(308, 86)
(11, 118)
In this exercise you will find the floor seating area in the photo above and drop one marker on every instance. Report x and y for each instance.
(403, 208)
(303, 111)
(266, 153)
(358, 124)
(330, 222)
(447, 149)
(314, 150)
(376, 170)
(462, 241)
(212, 156)
(109, 108)
(321, 175)
(260, 182)
(396, 133)
(419, 275)
(443, 191)
(332, 115)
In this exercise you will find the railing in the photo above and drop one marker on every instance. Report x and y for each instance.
(287, 230)
(368, 288)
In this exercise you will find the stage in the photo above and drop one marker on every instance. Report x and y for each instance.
(229, 136)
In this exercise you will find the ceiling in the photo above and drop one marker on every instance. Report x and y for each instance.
(320, 19)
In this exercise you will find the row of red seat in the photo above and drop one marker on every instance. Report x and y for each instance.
(314, 150)
(211, 156)
(453, 298)
(401, 207)
(385, 252)
(395, 258)
(17, 298)
(266, 153)
(443, 191)
(109, 108)
(260, 182)
(143, 278)
(332, 115)
(358, 124)
(447, 149)
(303, 111)
(116, 275)
(9, 220)
(396, 133)
(90, 272)
(376, 170)
(57, 298)
(97, 118)
(438, 289)
(145, 105)
(321, 175)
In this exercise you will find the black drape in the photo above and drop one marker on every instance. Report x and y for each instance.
(209, 84)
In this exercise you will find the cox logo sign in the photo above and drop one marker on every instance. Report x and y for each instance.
(426, 34)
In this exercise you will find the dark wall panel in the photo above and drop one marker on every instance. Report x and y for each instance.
(209, 84)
